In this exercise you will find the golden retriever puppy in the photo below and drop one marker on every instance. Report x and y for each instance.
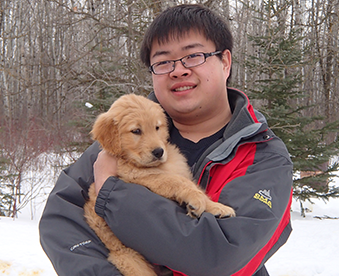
(135, 130)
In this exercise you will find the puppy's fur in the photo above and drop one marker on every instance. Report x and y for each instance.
(135, 131)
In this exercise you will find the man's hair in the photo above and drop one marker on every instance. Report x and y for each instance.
(175, 22)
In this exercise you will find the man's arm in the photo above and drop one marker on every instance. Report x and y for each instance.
(71, 245)
(161, 230)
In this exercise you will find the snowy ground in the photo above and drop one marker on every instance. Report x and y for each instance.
(312, 249)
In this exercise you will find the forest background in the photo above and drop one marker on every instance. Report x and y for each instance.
(62, 62)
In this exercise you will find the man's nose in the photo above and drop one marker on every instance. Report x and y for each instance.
(179, 70)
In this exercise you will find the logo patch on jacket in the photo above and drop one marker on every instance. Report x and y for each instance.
(80, 244)
(264, 196)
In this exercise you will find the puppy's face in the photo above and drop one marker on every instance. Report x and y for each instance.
(134, 129)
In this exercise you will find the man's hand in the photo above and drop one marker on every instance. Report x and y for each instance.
(104, 167)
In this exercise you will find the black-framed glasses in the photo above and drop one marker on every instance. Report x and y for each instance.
(189, 61)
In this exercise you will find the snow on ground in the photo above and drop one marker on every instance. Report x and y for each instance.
(20, 251)
(312, 249)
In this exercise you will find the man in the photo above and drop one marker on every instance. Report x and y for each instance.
(232, 152)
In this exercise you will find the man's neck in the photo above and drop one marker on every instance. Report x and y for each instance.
(196, 132)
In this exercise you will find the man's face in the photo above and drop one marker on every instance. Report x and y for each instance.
(191, 94)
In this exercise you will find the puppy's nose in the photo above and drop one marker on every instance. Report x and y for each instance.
(158, 153)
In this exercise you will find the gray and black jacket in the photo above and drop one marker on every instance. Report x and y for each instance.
(248, 169)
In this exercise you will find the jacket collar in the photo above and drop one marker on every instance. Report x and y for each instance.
(243, 114)
(245, 124)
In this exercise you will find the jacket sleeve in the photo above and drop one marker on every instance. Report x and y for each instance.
(160, 229)
(70, 244)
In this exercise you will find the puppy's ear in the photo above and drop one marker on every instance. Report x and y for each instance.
(105, 131)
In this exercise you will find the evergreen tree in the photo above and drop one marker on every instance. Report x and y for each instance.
(6, 197)
(278, 88)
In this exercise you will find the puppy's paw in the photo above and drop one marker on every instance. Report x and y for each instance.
(193, 212)
(196, 205)
(219, 210)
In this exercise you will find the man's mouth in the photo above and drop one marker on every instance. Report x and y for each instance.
(183, 88)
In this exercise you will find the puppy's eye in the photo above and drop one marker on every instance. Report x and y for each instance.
(157, 128)
(136, 131)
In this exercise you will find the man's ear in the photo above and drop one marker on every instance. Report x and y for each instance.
(105, 131)
(227, 62)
